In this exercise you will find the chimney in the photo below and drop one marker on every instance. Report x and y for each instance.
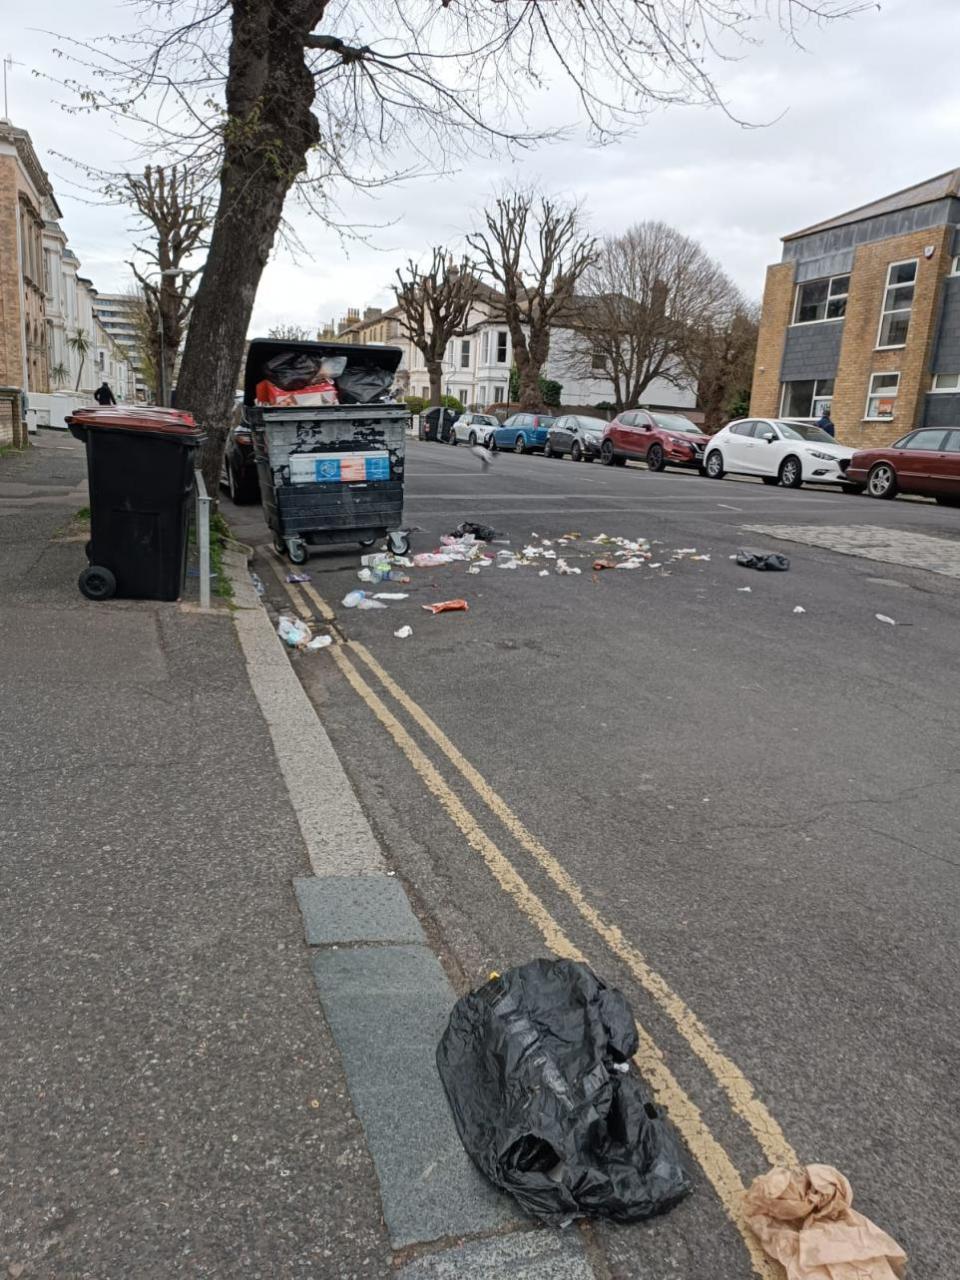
(372, 313)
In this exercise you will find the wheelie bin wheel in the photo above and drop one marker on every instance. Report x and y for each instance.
(97, 583)
(279, 545)
(399, 543)
(297, 551)
(367, 542)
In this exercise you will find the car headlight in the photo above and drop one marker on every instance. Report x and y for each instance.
(678, 440)
(824, 457)
(593, 436)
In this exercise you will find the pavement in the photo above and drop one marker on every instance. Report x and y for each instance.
(242, 888)
(742, 814)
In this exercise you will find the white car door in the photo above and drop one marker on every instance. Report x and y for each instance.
(737, 446)
(767, 454)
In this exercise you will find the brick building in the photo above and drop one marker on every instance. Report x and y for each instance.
(862, 316)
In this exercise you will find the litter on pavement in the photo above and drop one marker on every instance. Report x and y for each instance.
(353, 598)
(391, 595)
(447, 606)
(293, 631)
(536, 1067)
(298, 577)
(764, 560)
(882, 617)
(799, 609)
(805, 1220)
(482, 532)
(258, 586)
(404, 633)
(320, 642)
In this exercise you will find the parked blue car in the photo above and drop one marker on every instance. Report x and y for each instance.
(523, 433)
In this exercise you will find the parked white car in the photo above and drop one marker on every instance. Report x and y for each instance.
(783, 451)
(473, 428)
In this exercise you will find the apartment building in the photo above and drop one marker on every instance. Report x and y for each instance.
(862, 317)
(118, 314)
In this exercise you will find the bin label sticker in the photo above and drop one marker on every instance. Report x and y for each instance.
(360, 467)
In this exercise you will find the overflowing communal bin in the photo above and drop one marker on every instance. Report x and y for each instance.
(329, 440)
(140, 465)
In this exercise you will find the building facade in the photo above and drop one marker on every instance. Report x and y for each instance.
(53, 348)
(477, 364)
(862, 317)
(118, 314)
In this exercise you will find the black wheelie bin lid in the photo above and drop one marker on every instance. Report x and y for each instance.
(361, 364)
(169, 424)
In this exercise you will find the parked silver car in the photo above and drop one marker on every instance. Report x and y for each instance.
(473, 428)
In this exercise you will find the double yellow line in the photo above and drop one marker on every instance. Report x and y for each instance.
(711, 1156)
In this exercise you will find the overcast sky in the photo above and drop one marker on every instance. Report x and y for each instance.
(869, 105)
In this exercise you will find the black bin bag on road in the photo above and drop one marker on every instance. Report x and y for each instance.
(532, 1063)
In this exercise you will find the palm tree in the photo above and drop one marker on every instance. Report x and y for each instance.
(80, 343)
(59, 374)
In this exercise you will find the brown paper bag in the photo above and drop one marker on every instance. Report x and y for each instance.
(804, 1220)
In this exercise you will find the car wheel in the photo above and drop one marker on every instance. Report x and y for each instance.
(97, 583)
(453, 437)
(519, 445)
(882, 481)
(791, 473)
(713, 467)
(548, 450)
(576, 453)
(473, 439)
(607, 455)
(770, 479)
(655, 460)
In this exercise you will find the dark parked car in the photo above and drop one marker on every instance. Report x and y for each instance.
(925, 461)
(658, 439)
(577, 435)
(436, 423)
(238, 474)
(523, 432)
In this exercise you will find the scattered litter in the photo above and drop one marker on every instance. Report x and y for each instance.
(563, 567)
(699, 557)
(353, 598)
(544, 573)
(293, 631)
(685, 551)
(474, 568)
(771, 560)
(369, 603)
(428, 559)
(392, 595)
(658, 565)
(447, 606)
(804, 1219)
(403, 634)
(551, 1030)
(799, 609)
(633, 563)
(258, 586)
(297, 577)
(320, 642)
(744, 588)
(603, 564)
(365, 575)
(482, 532)
(882, 617)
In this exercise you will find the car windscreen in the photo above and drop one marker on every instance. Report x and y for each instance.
(676, 422)
(484, 420)
(541, 421)
(590, 424)
(801, 431)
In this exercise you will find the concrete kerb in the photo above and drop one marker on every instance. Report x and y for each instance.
(385, 997)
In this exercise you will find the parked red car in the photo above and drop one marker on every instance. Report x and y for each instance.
(659, 439)
(925, 461)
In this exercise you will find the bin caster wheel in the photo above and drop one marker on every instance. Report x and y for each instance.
(367, 542)
(297, 551)
(399, 543)
(97, 583)
(279, 545)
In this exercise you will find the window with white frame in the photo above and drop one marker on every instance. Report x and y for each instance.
(501, 346)
(498, 395)
(897, 304)
(464, 353)
(822, 300)
(882, 397)
(807, 399)
(955, 266)
(481, 395)
(485, 347)
(946, 382)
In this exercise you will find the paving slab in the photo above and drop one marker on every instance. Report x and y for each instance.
(367, 908)
(874, 542)
(386, 1007)
(530, 1255)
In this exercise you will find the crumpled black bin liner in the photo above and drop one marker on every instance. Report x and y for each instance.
(529, 1062)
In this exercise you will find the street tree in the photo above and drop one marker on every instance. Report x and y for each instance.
(269, 96)
(646, 295)
(720, 359)
(79, 343)
(535, 252)
(292, 333)
(435, 306)
(178, 214)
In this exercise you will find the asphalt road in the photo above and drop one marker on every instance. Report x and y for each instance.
(754, 805)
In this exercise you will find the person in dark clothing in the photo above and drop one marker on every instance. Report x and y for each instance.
(825, 423)
(103, 394)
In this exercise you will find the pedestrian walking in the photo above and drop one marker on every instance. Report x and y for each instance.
(825, 423)
(103, 394)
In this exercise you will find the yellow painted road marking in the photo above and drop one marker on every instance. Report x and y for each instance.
(764, 1127)
(684, 1112)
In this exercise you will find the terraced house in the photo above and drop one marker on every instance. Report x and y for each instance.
(862, 317)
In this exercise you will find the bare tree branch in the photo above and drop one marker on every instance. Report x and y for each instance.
(435, 306)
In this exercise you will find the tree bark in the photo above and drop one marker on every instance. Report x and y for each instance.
(270, 130)
(435, 374)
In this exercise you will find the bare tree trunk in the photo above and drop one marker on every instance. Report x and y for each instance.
(529, 386)
(265, 148)
(435, 374)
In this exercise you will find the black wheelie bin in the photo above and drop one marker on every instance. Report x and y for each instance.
(329, 439)
(140, 472)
